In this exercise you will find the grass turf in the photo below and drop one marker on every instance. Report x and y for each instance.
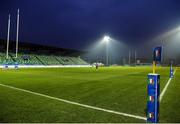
(120, 89)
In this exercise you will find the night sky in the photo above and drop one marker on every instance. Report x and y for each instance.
(79, 23)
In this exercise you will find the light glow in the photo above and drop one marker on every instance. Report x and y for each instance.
(106, 39)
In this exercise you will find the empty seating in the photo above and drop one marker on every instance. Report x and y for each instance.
(33, 59)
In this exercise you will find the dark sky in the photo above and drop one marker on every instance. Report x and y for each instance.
(79, 23)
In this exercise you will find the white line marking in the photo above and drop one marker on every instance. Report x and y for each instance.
(76, 103)
(165, 88)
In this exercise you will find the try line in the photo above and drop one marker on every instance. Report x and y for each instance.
(76, 103)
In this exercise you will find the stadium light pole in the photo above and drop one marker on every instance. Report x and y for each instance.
(17, 34)
(107, 39)
(9, 24)
(135, 56)
(129, 57)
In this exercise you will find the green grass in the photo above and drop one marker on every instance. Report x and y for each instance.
(122, 89)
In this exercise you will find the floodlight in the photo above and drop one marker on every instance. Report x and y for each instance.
(106, 39)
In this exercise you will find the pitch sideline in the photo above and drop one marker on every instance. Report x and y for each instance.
(76, 103)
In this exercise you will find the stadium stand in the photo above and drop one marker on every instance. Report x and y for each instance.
(33, 59)
(33, 54)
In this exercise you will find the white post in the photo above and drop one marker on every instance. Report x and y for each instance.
(135, 56)
(107, 56)
(9, 24)
(129, 57)
(17, 34)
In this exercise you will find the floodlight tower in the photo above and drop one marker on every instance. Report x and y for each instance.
(129, 57)
(107, 39)
(135, 56)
